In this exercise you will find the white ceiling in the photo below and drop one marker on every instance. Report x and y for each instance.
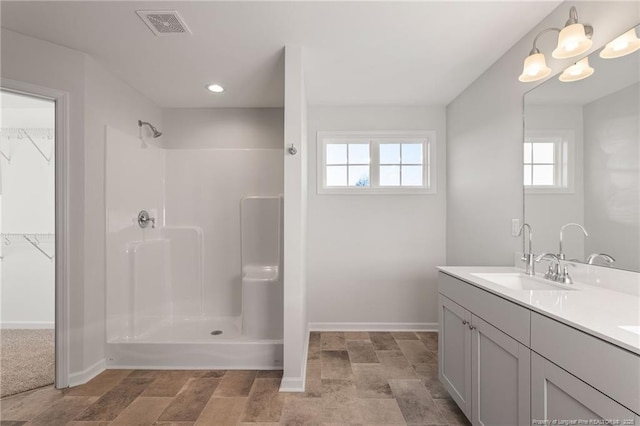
(355, 53)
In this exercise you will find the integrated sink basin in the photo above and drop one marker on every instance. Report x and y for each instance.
(518, 281)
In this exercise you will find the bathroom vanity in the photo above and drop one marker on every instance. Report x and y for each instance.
(515, 349)
(523, 349)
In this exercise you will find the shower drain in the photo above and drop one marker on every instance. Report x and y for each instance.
(216, 332)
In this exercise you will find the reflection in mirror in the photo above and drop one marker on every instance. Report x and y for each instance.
(582, 163)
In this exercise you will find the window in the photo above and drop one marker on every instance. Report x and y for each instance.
(378, 163)
(548, 161)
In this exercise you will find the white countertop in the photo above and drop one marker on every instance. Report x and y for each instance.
(609, 315)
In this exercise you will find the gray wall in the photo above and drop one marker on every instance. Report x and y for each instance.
(373, 258)
(569, 206)
(612, 194)
(96, 98)
(22, 59)
(484, 147)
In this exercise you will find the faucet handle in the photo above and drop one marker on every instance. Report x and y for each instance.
(565, 278)
(552, 271)
(144, 218)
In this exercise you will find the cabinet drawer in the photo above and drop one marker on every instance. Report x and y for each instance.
(608, 368)
(557, 395)
(510, 318)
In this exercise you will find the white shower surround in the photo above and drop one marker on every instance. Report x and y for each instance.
(185, 301)
(262, 284)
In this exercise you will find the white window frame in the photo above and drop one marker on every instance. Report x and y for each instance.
(425, 137)
(564, 155)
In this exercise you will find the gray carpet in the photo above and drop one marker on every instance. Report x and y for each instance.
(27, 360)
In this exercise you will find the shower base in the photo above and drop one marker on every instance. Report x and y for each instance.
(194, 344)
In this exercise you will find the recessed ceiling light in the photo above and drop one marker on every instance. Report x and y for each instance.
(215, 88)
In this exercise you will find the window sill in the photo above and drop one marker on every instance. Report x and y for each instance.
(376, 191)
(549, 191)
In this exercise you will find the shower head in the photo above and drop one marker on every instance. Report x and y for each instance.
(156, 133)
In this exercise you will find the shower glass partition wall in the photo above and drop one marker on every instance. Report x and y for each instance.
(175, 292)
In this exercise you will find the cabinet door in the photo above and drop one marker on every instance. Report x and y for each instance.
(500, 377)
(455, 352)
(558, 395)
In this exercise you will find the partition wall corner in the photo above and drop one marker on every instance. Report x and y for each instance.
(295, 211)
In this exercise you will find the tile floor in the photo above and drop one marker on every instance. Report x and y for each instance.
(352, 378)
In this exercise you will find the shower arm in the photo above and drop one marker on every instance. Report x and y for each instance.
(156, 132)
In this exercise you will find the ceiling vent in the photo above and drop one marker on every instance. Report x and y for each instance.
(163, 22)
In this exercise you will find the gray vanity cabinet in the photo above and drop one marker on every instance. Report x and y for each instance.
(558, 395)
(500, 377)
(506, 365)
(484, 370)
(455, 352)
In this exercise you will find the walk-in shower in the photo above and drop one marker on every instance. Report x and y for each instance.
(203, 289)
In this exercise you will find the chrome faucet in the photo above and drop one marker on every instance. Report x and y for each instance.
(561, 255)
(606, 257)
(530, 266)
(558, 270)
(554, 265)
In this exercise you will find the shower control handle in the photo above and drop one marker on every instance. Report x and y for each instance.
(144, 219)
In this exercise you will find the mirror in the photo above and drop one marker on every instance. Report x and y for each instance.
(581, 162)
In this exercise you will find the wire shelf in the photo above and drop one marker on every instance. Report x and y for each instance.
(27, 134)
(34, 239)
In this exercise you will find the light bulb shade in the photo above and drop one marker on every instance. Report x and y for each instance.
(572, 41)
(535, 68)
(625, 44)
(578, 71)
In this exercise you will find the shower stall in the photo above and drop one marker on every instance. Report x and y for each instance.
(194, 281)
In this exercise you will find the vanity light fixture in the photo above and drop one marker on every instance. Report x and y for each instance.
(215, 88)
(535, 67)
(574, 39)
(624, 45)
(578, 71)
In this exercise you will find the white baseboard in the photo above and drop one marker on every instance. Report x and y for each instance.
(298, 384)
(292, 384)
(82, 377)
(373, 326)
(305, 356)
(31, 325)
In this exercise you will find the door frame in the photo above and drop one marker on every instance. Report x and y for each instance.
(62, 135)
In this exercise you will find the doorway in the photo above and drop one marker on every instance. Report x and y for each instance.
(28, 243)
